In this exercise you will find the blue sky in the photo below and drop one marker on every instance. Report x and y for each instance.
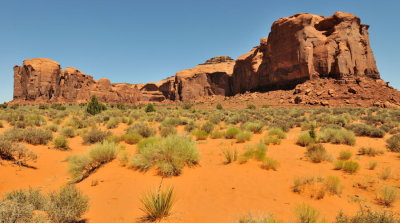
(139, 41)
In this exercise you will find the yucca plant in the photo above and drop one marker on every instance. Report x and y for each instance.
(157, 205)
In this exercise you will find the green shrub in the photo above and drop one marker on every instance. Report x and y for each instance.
(367, 216)
(366, 130)
(345, 155)
(386, 173)
(112, 123)
(81, 166)
(12, 211)
(272, 140)
(36, 136)
(333, 185)
(369, 151)
(231, 132)
(200, 134)
(230, 155)
(158, 204)
(66, 205)
(31, 196)
(270, 164)
(61, 143)
(208, 127)
(257, 151)
(168, 154)
(306, 214)
(150, 108)
(68, 132)
(132, 138)
(255, 127)
(347, 166)
(251, 106)
(217, 135)
(243, 136)
(393, 143)
(166, 130)
(187, 106)
(219, 107)
(95, 136)
(95, 107)
(372, 165)
(317, 153)
(6, 149)
(387, 195)
(142, 129)
(53, 128)
(277, 133)
(337, 136)
(305, 139)
(263, 219)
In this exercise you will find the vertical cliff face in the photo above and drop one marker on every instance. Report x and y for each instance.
(42, 80)
(299, 48)
(303, 47)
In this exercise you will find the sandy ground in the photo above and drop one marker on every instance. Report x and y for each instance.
(211, 191)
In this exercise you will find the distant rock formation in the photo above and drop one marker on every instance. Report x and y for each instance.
(300, 48)
(303, 47)
(41, 80)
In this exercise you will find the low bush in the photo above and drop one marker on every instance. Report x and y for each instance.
(333, 185)
(372, 165)
(219, 107)
(243, 136)
(263, 219)
(270, 164)
(169, 155)
(31, 196)
(150, 108)
(345, 155)
(61, 143)
(112, 123)
(217, 135)
(132, 138)
(95, 107)
(251, 106)
(52, 127)
(81, 166)
(306, 214)
(158, 204)
(277, 133)
(369, 151)
(272, 140)
(256, 151)
(231, 132)
(166, 130)
(12, 211)
(142, 129)
(230, 155)
(387, 195)
(337, 136)
(393, 143)
(66, 205)
(366, 130)
(305, 139)
(317, 153)
(36, 136)
(368, 216)
(208, 127)
(95, 136)
(386, 173)
(347, 166)
(254, 127)
(68, 132)
(300, 182)
(200, 134)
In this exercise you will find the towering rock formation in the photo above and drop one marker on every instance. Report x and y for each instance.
(42, 80)
(299, 48)
(303, 47)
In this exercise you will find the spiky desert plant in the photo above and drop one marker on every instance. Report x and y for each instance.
(158, 204)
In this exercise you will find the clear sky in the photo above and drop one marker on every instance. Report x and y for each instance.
(140, 41)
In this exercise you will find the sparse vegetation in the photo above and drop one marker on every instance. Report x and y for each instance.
(393, 143)
(158, 204)
(95, 107)
(337, 136)
(81, 166)
(306, 214)
(95, 136)
(169, 155)
(387, 195)
(61, 143)
(317, 153)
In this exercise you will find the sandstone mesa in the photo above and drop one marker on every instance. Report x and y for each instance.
(309, 59)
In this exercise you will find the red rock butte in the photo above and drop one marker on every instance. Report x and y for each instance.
(301, 51)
